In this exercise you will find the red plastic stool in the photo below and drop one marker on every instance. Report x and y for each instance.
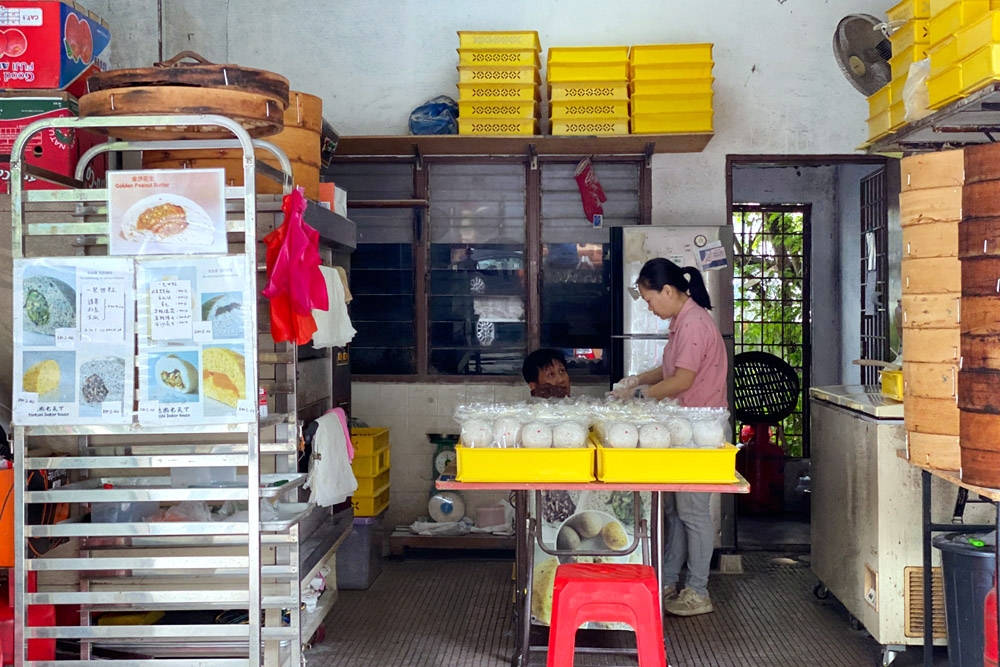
(607, 593)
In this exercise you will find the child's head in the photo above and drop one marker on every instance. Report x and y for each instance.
(545, 372)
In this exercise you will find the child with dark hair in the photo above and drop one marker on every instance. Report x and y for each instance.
(545, 372)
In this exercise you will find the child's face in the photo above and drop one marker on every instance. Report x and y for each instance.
(554, 375)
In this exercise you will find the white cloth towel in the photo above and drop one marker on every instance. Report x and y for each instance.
(333, 326)
(330, 476)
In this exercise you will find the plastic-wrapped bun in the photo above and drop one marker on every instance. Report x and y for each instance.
(623, 435)
(709, 434)
(680, 432)
(569, 434)
(654, 436)
(536, 435)
(506, 432)
(476, 433)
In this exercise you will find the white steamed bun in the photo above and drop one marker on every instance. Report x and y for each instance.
(654, 436)
(536, 435)
(569, 434)
(476, 433)
(680, 432)
(506, 432)
(623, 434)
(709, 434)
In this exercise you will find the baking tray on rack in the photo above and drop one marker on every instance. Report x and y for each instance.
(125, 489)
(289, 514)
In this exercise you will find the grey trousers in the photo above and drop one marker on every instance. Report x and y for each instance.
(690, 538)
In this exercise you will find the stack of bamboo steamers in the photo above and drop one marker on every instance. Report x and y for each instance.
(950, 211)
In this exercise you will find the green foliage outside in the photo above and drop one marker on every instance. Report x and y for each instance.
(768, 282)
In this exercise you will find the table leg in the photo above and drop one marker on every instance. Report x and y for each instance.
(521, 555)
(928, 572)
(656, 510)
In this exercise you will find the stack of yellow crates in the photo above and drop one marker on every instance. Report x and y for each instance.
(910, 43)
(671, 88)
(371, 468)
(498, 79)
(965, 48)
(588, 90)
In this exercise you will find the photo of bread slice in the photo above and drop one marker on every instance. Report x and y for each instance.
(163, 220)
(224, 376)
(174, 374)
(42, 378)
(168, 219)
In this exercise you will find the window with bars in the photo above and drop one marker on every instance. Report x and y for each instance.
(771, 297)
(874, 275)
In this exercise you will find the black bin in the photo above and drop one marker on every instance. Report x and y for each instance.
(968, 576)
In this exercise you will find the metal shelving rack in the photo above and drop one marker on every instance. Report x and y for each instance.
(247, 566)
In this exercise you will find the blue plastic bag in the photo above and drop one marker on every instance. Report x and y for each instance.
(437, 116)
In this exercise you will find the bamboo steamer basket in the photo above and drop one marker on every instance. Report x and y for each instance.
(300, 140)
(931, 276)
(932, 205)
(981, 351)
(932, 170)
(981, 199)
(933, 450)
(934, 346)
(930, 380)
(979, 238)
(938, 239)
(932, 311)
(980, 442)
(939, 416)
(982, 163)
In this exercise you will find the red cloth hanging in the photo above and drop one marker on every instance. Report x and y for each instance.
(295, 285)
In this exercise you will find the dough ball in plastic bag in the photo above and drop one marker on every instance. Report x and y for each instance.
(569, 434)
(536, 435)
(476, 433)
(506, 432)
(623, 435)
(654, 436)
(709, 434)
(680, 432)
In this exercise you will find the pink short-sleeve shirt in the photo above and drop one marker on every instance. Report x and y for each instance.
(695, 344)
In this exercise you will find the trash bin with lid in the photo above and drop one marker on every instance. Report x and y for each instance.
(967, 563)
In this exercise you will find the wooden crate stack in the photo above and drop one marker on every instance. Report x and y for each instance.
(930, 210)
(498, 79)
(588, 90)
(671, 88)
(371, 468)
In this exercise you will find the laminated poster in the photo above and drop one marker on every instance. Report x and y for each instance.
(74, 341)
(167, 212)
(192, 327)
(581, 521)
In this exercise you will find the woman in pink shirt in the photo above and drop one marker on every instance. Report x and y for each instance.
(694, 371)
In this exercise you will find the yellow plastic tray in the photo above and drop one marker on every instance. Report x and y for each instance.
(672, 87)
(954, 17)
(468, 92)
(892, 384)
(910, 9)
(492, 74)
(982, 32)
(897, 116)
(670, 53)
(589, 127)
(943, 55)
(580, 109)
(574, 71)
(651, 466)
(505, 109)
(878, 125)
(587, 54)
(507, 58)
(938, 6)
(489, 464)
(588, 90)
(980, 68)
(900, 64)
(498, 126)
(370, 487)
(651, 104)
(945, 88)
(371, 505)
(658, 72)
(371, 466)
(913, 32)
(880, 101)
(367, 441)
(518, 39)
(896, 90)
(671, 123)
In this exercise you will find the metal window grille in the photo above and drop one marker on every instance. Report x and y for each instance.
(874, 275)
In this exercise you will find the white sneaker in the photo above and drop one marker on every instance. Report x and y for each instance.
(689, 603)
(670, 592)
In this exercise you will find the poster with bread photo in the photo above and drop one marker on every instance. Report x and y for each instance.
(167, 212)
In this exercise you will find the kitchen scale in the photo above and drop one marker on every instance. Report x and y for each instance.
(444, 505)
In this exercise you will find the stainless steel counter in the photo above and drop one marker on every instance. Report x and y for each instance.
(866, 399)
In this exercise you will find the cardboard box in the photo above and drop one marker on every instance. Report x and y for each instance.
(53, 150)
(333, 198)
(48, 44)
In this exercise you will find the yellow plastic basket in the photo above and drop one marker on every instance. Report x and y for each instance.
(880, 101)
(954, 17)
(650, 104)
(505, 57)
(496, 39)
(565, 72)
(982, 32)
(505, 109)
(900, 63)
(943, 55)
(488, 464)
(897, 116)
(587, 54)
(913, 32)
(658, 72)
(588, 90)
(672, 123)
(498, 126)
(892, 384)
(980, 68)
(579, 109)
(468, 92)
(589, 126)
(938, 6)
(367, 441)
(493, 74)
(371, 486)
(671, 86)
(910, 9)
(945, 88)
(371, 505)
(667, 466)
(878, 125)
(670, 53)
(371, 466)
(896, 90)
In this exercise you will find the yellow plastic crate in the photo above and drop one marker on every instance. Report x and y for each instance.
(670, 53)
(896, 90)
(945, 88)
(571, 72)
(497, 109)
(468, 92)
(657, 72)
(371, 466)
(981, 68)
(878, 125)
(578, 109)
(667, 466)
(910, 9)
(982, 32)
(672, 87)
(943, 55)
(892, 384)
(367, 441)
(371, 506)
(900, 64)
(492, 74)
(938, 6)
(496, 39)
(498, 126)
(650, 104)
(588, 90)
(487, 464)
(672, 123)
(880, 101)
(897, 116)
(589, 127)
(913, 32)
(955, 17)
(370, 487)
(587, 54)
(507, 58)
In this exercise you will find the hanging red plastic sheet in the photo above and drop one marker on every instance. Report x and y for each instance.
(295, 285)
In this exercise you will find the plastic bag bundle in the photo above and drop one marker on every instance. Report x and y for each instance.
(672, 427)
(436, 116)
(539, 424)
